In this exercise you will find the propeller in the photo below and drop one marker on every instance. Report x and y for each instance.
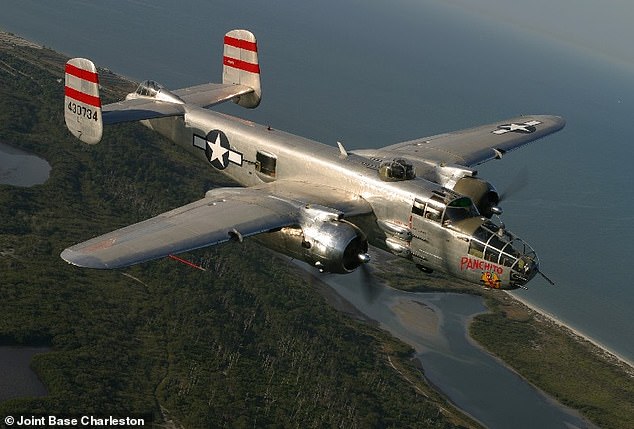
(518, 183)
(369, 284)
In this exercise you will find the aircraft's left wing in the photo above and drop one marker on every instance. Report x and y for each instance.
(476, 145)
(224, 214)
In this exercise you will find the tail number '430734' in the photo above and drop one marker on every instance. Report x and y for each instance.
(84, 111)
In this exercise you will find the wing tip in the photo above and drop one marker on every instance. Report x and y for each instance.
(80, 259)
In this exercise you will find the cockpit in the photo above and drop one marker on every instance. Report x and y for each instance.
(148, 88)
(152, 89)
(460, 209)
(496, 245)
(442, 209)
(490, 246)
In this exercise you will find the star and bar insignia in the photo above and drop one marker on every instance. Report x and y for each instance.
(525, 128)
(217, 148)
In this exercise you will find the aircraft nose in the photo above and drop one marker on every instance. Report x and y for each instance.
(525, 268)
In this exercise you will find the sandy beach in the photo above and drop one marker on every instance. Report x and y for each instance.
(603, 351)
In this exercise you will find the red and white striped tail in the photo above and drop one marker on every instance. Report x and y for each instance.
(82, 105)
(241, 66)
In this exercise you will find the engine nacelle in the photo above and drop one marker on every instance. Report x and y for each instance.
(482, 193)
(334, 246)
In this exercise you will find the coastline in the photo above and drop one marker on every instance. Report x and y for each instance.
(578, 335)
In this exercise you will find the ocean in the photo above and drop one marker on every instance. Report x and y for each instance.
(370, 74)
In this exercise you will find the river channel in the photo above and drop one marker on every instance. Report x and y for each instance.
(436, 326)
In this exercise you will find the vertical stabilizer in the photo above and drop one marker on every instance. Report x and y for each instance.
(82, 105)
(240, 65)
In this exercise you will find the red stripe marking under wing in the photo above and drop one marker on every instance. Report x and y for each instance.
(242, 44)
(242, 65)
(82, 74)
(82, 97)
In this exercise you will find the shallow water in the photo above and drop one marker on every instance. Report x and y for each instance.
(16, 377)
(436, 326)
(19, 168)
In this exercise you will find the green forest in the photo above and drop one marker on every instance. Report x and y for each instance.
(248, 343)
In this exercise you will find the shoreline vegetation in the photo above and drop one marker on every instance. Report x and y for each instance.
(263, 348)
(553, 357)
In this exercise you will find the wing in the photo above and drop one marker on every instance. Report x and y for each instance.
(476, 145)
(224, 214)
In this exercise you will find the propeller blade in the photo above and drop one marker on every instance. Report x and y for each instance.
(518, 183)
(369, 284)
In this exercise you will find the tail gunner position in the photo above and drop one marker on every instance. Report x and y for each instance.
(420, 199)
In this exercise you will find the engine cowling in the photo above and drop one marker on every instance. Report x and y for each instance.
(334, 246)
(482, 193)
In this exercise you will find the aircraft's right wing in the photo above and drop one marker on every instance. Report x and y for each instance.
(476, 145)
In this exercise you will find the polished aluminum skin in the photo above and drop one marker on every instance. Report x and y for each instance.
(421, 199)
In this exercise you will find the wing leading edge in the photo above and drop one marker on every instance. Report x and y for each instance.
(477, 145)
(224, 214)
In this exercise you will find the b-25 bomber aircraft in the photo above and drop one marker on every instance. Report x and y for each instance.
(419, 199)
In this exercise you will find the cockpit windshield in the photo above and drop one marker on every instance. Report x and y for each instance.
(148, 88)
(460, 209)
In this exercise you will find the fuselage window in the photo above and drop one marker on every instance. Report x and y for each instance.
(427, 210)
(418, 208)
(492, 255)
(266, 163)
(433, 213)
(476, 249)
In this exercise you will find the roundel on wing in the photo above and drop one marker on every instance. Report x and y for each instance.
(217, 149)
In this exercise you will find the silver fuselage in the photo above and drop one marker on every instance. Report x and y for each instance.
(394, 226)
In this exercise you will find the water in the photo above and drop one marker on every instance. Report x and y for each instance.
(16, 378)
(19, 168)
(435, 324)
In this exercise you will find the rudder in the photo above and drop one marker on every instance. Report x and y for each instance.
(82, 105)
(241, 66)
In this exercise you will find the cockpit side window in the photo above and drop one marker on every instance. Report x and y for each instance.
(433, 213)
(427, 210)
(418, 208)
